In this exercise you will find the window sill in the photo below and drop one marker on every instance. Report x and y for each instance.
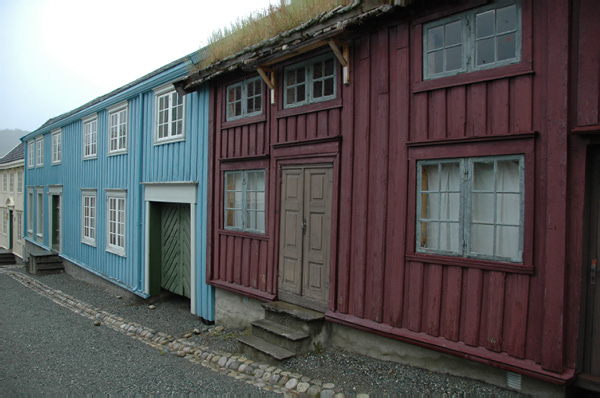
(466, 262)
(90, 157)
(89, 243)
(118, 252)
(244, 120)
(522, 68)
(116, 153)
(243, 234)
(171, 140)
(56, 163)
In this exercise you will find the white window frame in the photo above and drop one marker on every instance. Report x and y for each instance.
(89, 219)
(466, 193)
(39, 151)
(19, 215)
(39, 213)
(30, 211)
(309, 78)
(4, 181)
(244, 210)
(167, 92)
(19, 181)
(11, 182)
(469, 53)
(118, 128)
(116, 227)
(90, 147)
(57, 146)
(30, 154)
(244, 97)
(5, 221)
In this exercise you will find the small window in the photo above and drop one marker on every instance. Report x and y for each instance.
(244, 99)
(31, 154)
(483, 38)
(19, 225)
(40, 213)
(169, 115)
(56, 147)
(245, 200)
(310, 81)
(471, 207)
(30, 212)
(115, 217)
(19, 181)
(11, 183)
(4, 182)
(39, 145)
(88, 232)
(5, 221)
(117, 129)
(90, 137)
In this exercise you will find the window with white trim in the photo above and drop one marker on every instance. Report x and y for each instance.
(88, 216)
(39, 145)
(244, 99)
(4, 181)
(169, 115)
(30, 154)
(115, 217)
(471, 207)
(90, 137)
(245, 200)
(117, 129)
(19, 181)
(483, 38)
(5, 221)
(11, 182)
(40, 213)
(30, 213)
(310, 81)
(57, 147)
(19, 215)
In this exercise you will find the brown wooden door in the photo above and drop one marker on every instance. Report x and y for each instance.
(591, 351)
(305, 232)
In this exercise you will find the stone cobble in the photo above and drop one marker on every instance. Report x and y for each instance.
(267, 377)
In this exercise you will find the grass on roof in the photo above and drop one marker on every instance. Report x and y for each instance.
(262, 25)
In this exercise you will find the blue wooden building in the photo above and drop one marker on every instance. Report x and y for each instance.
(118, 187)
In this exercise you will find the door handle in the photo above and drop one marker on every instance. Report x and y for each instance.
(303, 225)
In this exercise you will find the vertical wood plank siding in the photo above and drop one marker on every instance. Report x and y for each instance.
(184, 161)
(500, 314)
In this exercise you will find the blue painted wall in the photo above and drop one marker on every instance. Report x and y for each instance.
(144, 162)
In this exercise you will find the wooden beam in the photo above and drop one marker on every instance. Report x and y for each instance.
(343, 56)
(269, 80)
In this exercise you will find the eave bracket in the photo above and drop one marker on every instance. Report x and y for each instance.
(269, 79)
(342, 53)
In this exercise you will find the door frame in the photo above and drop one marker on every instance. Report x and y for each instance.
(171, 192)
(322, 152)
(55, 190)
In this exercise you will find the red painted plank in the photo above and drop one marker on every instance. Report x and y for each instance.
(301, 128)
(456, 104)
(322, 124)
(432, 299)
(397, 180)
(252, 151)
(515, 327)
(419, 123)
(493, 310)
(588, 82)
(414, 302)
(452, 294)
(245, 263)
(476, 109)
(245, 132)
(521, 104)
(230, 258)
(262, 266)
(262, 146)
(291, 129)
(471, 306)
(499, 107)
(437, 115)
(281, 132)
(253, 271)
(333, 122)
(237, 259)
(311, 126)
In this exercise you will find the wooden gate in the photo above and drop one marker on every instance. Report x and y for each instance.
(305, 230)
(175, 248)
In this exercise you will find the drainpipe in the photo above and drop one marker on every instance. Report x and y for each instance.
(141, 206)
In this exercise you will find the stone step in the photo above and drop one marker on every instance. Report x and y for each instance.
(263, 350)
(308, 321)
(7, 259)
(281, 335)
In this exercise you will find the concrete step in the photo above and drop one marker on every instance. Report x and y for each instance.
(7, 259)
(308, 321)
(45, 263)
(262, 350)
(281, 335)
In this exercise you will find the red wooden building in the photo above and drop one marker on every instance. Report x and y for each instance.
(425, 172)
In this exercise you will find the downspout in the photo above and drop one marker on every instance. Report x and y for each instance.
(141, 206)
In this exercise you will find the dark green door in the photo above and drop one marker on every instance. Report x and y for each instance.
(55, 233)
(175, 248)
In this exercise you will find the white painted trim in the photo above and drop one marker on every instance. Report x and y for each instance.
(193, 259)
(174, 192)
(55, 190)
(147, 251)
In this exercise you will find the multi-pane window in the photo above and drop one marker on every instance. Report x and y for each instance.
(19, 181)
(39, 150)
(31, 154)
(483, 38)
(56, 147)
(5, 182)
(88, 232)
(169, 116)
(5, 221)
(244, 99)
(245, 200)
(40, 213)
(19, 225)
(471, 207)
(11, 183)
(30, 211)
(115, 217)
(117, 130)
(90, 137)
(310, 81)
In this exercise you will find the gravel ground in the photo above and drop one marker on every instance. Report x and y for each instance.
(350, 372)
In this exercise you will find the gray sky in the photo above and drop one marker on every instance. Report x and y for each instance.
(56, 55)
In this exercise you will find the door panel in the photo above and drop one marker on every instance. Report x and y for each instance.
(55, 233)
(175, 248)
(305, 235)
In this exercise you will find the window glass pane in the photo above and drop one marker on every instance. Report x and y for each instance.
(507, 19)
(328, 87)
(508, 177)
(483, 176)
(290, 96)
(453, 33)
(435, 62)
(449, 206)
(317, 70)
(290, 77)
(449, 177)
(317, 89)
(486, 24)
(435, 38)
(485, 52)
(508, 208)
(454, 58)
(430, 232)
(329, 67)
(482, 209)
(507, 242)
(430, 178)
(482, 239)
(301, 94)
(506, 47)
(430, 206)
(449, 237)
